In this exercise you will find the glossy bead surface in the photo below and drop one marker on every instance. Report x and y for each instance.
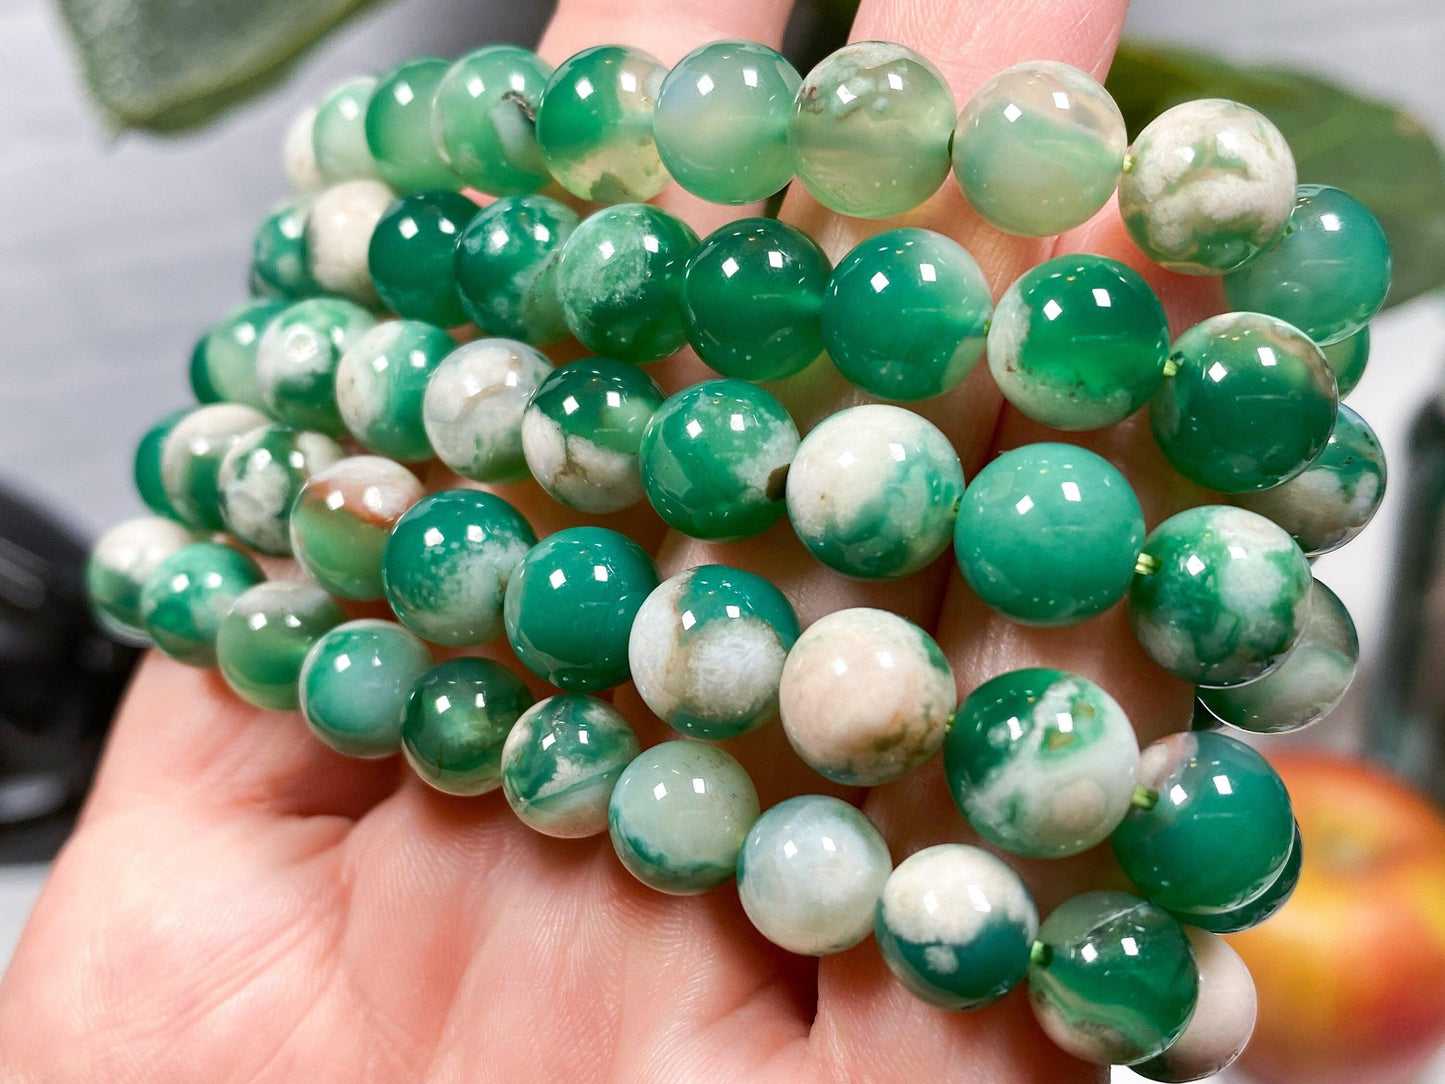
(1211, 185)
(1078, 342)
(447, 564)
(865, 696)
(619, 281)
(1039, 148)
(260, 476)
(380, 384)
(1327, 274)
(484, 117)
(1263, 906)
(191, 460)
(1223, 1018)
(706, 651)
(1119, 983)
(1223, 597)
(595, 124)
(472, 409)
(1048, 534)
(955, 924)
(120, 563)
(561, 761)
(810, 873)
(458, 716)
(197, 377)
(229, 352)
(1348, 358)
(410, 256)
(354, 685)
(149, 482)
(280, 265)
(870, 130)
(297, 359)
(679, 815)
(751, 299)
(338, 135)
(341, 519)
(570, 604)
(185, 597)
(582, 433)
(873, 492)
(905, 314)
(722, 121)
(264, 638)
(1041, 762)
(399, 128)
(715, 459)
(298, 159)
(506, 267)
(338, 235)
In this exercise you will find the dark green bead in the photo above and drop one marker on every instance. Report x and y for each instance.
(1348, 358)
(230, 349)
(411, 252)
(399, 128)
(354, 686)
(149, 482)
(264, 639)
(185, 598)
(199, 379)
(485, 119)
(457, 718)
(280, 265)
(1262, 906)
(381, 384)
(506, 267)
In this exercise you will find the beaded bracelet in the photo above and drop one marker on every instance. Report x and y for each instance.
(1042, 763)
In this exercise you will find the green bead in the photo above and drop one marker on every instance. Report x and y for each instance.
(870, 130)
(1249, 404)
(230, 350)
(1041, 762)
(1039, 148)
(1331, 500)
(1262, 906)
(399, 128)
(873, 492)
(185, 597)
(752, 297)
(458, 716)
(506, 267)
(447, 564)
(722, 121)
(120, 563)
(595, 124)
(619, 281)
(197, 377)
(715, 459)
(280, 265)
(1078, 342)
(264, 639)
(191, 460)
(905, 314)
(354, 686)
(297, 358)
(1348, 358)
(410, 256)
(149, 482)
(570, 605)
(1327, 274)
(1048, 534)
(259, 478)
(707, 648)
(1221, 595)
(1219, 832)
(679, 815)
(484, 117)
(338, 134)
(381, 383)
(1117, 982)
(341, 520)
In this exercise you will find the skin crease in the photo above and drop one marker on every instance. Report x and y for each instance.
(239, 903)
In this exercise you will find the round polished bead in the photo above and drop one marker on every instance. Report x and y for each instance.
(338, 135)
(582, 433)
(561, 761)
(570, 604)
(298, 158)
(472, 410)
(722, 121)
(715, 459)
(619, 280)
(1039, 148)
(506, 267)
(458, 716)
(1210, 184)
(870, 130)
(955, 925)
(280, 265)
(1048, 534)
(1327, 275)
(1116, 983)
(341, 519)
(380, 384)
(120, 563)
(484, 117)
(1078, 342)
(149, 482)
(752, 297)
(399, 128)
(1331, 500)
(260, 476)
(1263, 906)
(810, 873)
(191, 460)
(297, 359)
(865, 696)
(595, 124)
(1221, 595)
(198, 377)
(873, 492)
(185, 597)
(410, 256)
(354, 685)
(1348, 358)
(707, 649)
(1041, 762)
(679, 815)
(1223, 1018)
(447, 564)
(338, 234)
(905, 314)
(229, 353)
(264, 638)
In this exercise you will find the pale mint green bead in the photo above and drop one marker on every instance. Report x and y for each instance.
(381, 382)
(484, 118)
(399, 128)
(355, 683)
(679, 814)
(187, 595)
(260, 477)
(120, 563)
(297, 358)
(229, 352)
(264, 639)
(338, 135)
(191, 460)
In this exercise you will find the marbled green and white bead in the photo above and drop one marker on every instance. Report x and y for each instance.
(354, 684)
(338, 135)
(191, 459)
(338, 236)
(458, 716)
(506, 267)
(260, 476)
(280, 268)
(186, 596)
(121, 561)
(381, 381)
(228, 353)
(297, 358)
(484, 118)
(1223, 1018)
(473, 407)
(264, 639)
(146, 469)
